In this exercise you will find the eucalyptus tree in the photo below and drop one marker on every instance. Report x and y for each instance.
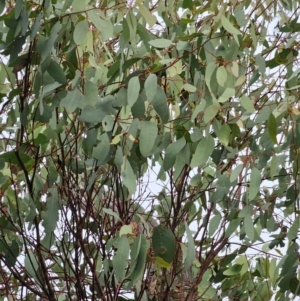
(149, 150)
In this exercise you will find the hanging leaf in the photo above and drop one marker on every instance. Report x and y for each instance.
(101, 151)
(151, 86)
(56, 72)
(210, 113)
(47, 46)
(80, 32)
(203, 151)
(138, 255)
(149, 18)
(120, 258)
(272, 128)
(172, 152)
(159, 103)
(191, 253)
(294, 229)
(163, 242)
(32, 266)
(189, 88)
(147, 137)
(210, 68)
(128, 176)
(214, 223)
(36, 26)
(255, 180)
(247, 104)
(249, 227)
(221, 76)
(133, 90)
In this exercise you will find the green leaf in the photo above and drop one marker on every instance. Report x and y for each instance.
(209, 70)
(234, 270)
(204, 149)
(163, 243)
(120, 258)
(90, 93)
(129, 63)
(138, 258)
(224, 134)
(126, 229)
(272, 128)
(132, 24)
(112, 213)
(47, 47)
(172, 152)
(128, 176)
(160, 43)
(101, 151)
(2, 6)
(96, 114)
(249, 227)
(56, 72)
(189, 88)
(228, 92)
(133, 90)
(148, 16)
(214, 224)
(255, 180)
(247, 210)
(80, 32)
(221, 76)
(147, 137)
(159, 103)
(236, 172)
(162, 263)
(36, 26)
(210, 113)
(32, 266)
(191, 253)
(247, 104)
(50, 217)
(294, 229)
(12, 158)
(229, 27)
(151, 86)
(11, 251)
(18, 8)
(233, 224)
(97, 20)
(187, 4)
(73, 100)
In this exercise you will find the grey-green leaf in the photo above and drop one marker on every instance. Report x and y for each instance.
(160, 43)
(151, 86)
(147, 137)
(56, 72)
(133, 90)
(204, 149)
(80, 32)
(171, 153)
(120, 258)
(255, 180)
(191, 253)
(73, 100)
(101, 151)
(159, 103)
(96, 114)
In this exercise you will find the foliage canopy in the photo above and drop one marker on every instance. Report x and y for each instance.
(149, 150)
